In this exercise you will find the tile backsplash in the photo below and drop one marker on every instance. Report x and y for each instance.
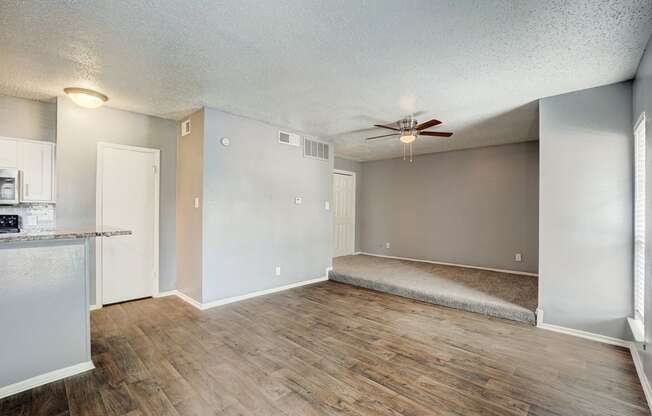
(32, 216)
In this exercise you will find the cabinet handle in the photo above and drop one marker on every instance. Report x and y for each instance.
(26, 189)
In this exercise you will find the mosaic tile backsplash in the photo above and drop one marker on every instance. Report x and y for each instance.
(32, 216)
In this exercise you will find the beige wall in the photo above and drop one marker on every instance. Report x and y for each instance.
(190, 154)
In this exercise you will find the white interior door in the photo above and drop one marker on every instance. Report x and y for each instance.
(128, 190)
(343, 214)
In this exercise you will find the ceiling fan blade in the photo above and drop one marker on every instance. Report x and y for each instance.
(386, 127)
(380, 137)
(435, 133)
(427, 124)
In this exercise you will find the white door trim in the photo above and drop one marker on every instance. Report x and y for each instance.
(355, 193)
(98, 214)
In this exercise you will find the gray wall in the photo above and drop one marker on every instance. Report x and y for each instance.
(474, 207)
(643, 103)
(78, 132)
(43, 311)
(353, 166)
(586, 194)
(251, 223)
(190, 168)
(27, 119)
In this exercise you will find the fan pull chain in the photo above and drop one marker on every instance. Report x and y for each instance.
(404, 150)
(411, 153)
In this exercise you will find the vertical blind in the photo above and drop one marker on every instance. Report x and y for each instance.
(639, 221)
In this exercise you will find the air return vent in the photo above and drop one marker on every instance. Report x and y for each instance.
(289, 138)
(315, 149)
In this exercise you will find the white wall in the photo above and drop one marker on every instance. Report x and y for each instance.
(586, 214)
(78, 132)
(250, 221)
(475, 207)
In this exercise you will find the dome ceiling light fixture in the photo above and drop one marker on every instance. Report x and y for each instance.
(408, 130)
(86, 98)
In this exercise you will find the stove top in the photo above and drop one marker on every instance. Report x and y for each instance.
(9, 224)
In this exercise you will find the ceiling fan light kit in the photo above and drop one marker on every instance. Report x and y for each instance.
(408, 130)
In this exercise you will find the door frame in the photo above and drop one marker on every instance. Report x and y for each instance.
(98, 213)
(355, 212)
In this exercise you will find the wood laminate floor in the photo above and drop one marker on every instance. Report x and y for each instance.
(333, 349)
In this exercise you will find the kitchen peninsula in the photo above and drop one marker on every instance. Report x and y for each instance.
(44, 305)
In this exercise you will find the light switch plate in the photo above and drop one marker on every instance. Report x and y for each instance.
(298, 200)
(278, 270)
(196, 202)
(327, 205)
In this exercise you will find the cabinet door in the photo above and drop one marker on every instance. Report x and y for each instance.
(8, 153)
(37, 171)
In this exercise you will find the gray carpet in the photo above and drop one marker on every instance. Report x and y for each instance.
(502, 295)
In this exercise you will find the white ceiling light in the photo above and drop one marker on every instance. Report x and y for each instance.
(408, 137)
(86, 98)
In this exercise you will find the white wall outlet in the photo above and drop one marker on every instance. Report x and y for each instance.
(196, 202)
(327, 206)
(185, 127)
(278, 270)
(386, 245)
(518, 257)
(298, 200)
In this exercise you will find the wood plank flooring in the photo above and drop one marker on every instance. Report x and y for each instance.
(332, 349)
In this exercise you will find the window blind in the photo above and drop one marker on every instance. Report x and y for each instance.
(639, 221)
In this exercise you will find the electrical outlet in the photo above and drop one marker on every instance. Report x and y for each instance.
(327, 205)
(298, 200)
(278, 270)
(518, 257)
(386, 245)
(196, 202)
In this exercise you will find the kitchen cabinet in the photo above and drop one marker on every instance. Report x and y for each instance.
(8, 153)
(36, 165)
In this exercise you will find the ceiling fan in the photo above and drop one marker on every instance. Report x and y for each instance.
(408, 129)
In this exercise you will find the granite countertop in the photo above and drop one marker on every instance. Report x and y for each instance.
(61, 234)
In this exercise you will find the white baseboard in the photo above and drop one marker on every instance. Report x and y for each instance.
(449, 264)
(55, 375)
(95, 307)
(539, 316)
(645, 384)
(584, 334)
(220, 302)
(233, 299)
(164, 294)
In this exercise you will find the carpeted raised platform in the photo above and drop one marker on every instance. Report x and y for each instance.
(502, 295)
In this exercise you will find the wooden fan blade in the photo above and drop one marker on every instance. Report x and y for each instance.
(386, 127)
(427, 124)
(435, 133)
(380, 137)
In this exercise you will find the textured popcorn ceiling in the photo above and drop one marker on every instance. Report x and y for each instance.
(330, 67)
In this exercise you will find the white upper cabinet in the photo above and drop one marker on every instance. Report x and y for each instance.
(8, 153)
(36, 165)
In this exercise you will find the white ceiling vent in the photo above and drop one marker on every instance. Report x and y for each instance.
(289, 138)
(315, 149)
(185, 127)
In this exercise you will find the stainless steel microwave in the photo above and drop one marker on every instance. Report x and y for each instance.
(9, 186)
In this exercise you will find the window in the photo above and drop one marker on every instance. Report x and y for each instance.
(639, 219)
